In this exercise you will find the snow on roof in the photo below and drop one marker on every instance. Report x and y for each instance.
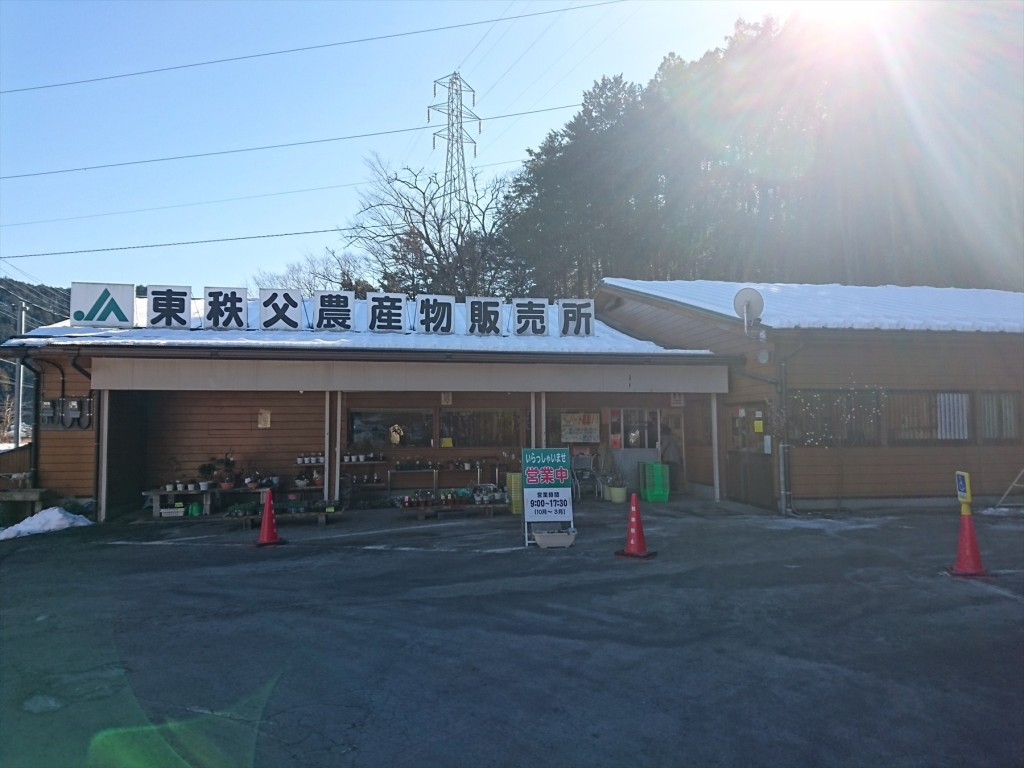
(852, 307)
(605, 340)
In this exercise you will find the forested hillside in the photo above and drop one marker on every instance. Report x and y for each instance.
(794, 154)
(44, 305)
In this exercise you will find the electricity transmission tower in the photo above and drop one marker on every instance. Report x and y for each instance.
(455, 195)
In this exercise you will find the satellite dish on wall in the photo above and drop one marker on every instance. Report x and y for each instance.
(748, 304)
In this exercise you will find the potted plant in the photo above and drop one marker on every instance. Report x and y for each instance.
(615, 487)
(172, 472)
(226, 472)
(252, 478)
(206, 472)
(302, 479)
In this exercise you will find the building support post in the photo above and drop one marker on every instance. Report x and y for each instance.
(543, 419)
(104, 447)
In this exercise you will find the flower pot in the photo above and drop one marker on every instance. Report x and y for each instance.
(226, 486)
(616, 494)
(554, 539)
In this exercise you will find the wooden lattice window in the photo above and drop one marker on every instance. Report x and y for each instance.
(999, 416)
(928, 417)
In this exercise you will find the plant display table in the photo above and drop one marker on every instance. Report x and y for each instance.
(440, 510)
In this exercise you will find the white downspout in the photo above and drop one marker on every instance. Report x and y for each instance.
(714, 445)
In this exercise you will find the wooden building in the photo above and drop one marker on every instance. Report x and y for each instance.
(841, 394)
(138, 391)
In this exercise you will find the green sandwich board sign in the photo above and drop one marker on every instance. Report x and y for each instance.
(547, 485)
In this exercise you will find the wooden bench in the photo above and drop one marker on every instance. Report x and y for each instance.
(31, 495)
(485, 510)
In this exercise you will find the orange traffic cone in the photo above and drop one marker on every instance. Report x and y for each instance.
(968, 557)
(268, 528)
(635, 544)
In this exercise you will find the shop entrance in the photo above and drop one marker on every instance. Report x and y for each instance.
(633, 439)
(749, 460)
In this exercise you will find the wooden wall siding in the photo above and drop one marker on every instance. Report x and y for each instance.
(963, 361)
(16, 461)
(192, 427)
(697, 450)
(75, 384)
(67, 460)
(67, 457)
(699, 465)
(894, 472)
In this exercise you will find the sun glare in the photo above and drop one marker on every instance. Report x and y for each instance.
(839, 13)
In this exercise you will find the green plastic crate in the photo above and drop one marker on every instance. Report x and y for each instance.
(653, 481)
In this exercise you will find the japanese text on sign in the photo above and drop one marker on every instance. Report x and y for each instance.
(283, 309)
(547, 485)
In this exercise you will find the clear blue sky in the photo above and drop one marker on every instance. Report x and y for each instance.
(514, 66)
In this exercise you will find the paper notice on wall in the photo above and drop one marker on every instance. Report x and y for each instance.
(581, 427)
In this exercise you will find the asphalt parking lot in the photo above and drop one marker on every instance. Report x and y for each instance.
(381, 640)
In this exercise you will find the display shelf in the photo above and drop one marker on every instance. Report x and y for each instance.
(392, 473)
(157, 496)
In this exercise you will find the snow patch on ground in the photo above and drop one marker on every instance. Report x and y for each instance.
(1002, 512)
(822, 523)
(45, 521)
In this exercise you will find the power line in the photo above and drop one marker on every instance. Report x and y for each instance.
(169, 245)
(207, 202)
(306, 48)
(184, 205)
(268, 146)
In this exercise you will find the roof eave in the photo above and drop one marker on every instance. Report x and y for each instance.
(217, 352)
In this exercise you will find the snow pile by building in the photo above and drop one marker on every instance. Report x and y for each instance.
(52, 519)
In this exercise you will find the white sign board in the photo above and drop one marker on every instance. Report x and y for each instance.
(581, 427)
(104, 305)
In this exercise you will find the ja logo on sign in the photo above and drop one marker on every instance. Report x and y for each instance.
(103, 304)
(104, 307)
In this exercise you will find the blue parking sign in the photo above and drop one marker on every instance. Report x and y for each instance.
(963, 487)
